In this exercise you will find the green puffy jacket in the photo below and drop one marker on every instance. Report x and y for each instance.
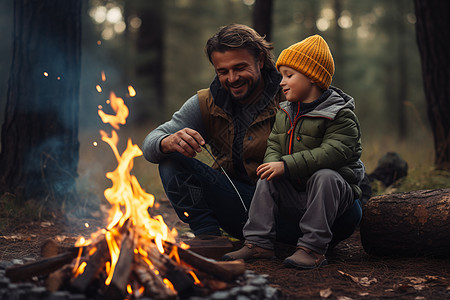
(327, 137)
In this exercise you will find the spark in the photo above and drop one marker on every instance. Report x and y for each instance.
(131, 91)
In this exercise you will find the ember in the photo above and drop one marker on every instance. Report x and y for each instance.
(136, 254)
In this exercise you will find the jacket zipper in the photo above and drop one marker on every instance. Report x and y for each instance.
(291, 130)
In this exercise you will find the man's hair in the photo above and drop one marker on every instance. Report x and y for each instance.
(237, 36)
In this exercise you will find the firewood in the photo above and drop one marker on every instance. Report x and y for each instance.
(49, 248)
(96, 261)
(214, 247)
(117, 288)
(407, 224)
(153, 284)
(58, 279)
(226, 270)
(94, 266)
(39, 268)
(175, 273)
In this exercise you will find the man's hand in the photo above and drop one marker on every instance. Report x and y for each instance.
(186, 141)
(270, 170)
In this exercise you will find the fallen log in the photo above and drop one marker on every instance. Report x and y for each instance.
(407, 224)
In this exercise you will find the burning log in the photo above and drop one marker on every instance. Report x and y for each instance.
(176, 274)
(117, 287)
(152, 283)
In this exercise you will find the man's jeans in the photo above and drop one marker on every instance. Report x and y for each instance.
(203, 197)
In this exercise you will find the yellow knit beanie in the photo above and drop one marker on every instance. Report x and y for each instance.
(311, 57)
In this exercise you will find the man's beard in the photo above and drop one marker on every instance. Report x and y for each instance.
(250, 90)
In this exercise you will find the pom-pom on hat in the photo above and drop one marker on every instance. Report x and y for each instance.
(311, 57)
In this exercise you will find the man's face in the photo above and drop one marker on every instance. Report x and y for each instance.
(238, 71)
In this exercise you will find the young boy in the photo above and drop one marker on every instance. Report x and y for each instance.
(311, 168)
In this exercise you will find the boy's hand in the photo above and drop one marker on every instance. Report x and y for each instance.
(270, 170)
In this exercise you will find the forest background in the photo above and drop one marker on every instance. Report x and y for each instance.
(157, 47)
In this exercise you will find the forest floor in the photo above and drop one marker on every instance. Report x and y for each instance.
(351, 273)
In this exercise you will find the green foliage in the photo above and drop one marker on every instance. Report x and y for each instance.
(423, 179)
(417, 152)
(417, 179)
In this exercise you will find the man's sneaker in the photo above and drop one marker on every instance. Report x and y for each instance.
(305, 258)
(249, 251)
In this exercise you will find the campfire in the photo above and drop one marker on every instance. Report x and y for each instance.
(135, 255)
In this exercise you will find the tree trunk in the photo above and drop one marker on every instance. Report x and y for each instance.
(39, 138)
(338, 47)
(407, 224)
(149, 59)
(402, 90)
(433, 38)
(262, 18)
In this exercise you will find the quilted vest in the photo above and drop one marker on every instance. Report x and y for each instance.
(220, 130)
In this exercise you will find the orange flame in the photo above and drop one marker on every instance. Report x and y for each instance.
(168, 284)
(119, 108)
(128, 201)
(114, 250)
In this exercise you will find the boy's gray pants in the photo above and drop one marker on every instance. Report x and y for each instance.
(327, 197)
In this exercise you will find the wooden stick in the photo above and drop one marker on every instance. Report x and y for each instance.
(94, 266)
(177, 274)
(96, 261)
(39, 268)
(226, 270)
(117, 289)
(153, 284)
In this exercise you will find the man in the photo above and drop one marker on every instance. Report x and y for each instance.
(234, 116)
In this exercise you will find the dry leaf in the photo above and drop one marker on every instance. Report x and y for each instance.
(326, 293)
(344, 298)
(46, 224)
(364, 281)
(60, 238)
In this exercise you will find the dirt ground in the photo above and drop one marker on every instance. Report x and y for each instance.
(351, 273)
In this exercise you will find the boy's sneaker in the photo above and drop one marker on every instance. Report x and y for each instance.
(249, 251)
(305, 258)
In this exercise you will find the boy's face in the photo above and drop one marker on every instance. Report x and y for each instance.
(238, 71)
(297, 87)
